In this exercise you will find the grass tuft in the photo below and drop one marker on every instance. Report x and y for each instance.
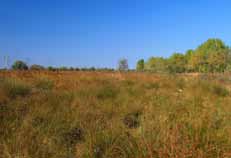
(13, 87)
(44, 84)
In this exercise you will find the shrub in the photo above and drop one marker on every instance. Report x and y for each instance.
(63, 68)
(50, 68)
(19, 65)
(77, 69)
(92, 69)
(36, 67)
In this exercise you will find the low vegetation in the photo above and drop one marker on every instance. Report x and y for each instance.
(112, 114)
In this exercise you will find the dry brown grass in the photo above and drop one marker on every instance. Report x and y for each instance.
(110, 114)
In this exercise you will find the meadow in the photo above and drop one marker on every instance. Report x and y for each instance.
(78, 114)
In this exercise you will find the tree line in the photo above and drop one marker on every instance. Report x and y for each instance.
(211, 56)
(21, 65)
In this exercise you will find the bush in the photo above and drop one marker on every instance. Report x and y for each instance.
(36, 67)
(77, 69)
(50, 68)
(19, 65)
(63, 68)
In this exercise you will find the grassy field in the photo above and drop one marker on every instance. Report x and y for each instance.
(114, 115)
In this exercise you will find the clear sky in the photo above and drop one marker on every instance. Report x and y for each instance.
(97, 33)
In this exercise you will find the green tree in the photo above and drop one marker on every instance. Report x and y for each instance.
(140, 65)
(198, 62)
(36, 67)
(19, 65)
(51, 68)
(63, 68)
(156, 64)
(188, 57)
(177, 63)
(218, 61)
(208, 54)
(123, 65)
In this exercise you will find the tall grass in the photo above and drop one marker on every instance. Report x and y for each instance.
(110, 115)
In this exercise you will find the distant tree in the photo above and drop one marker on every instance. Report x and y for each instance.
(36, 67)
(156, 64)
(77, 69)
(92, 68)
(123, 65)
(51, 68)
(105, 69)
(218, 61)
(198, 62)
(83, 69)
(211, 56)
(63, 68)
(188, 57)
(189, 54)
(19, 65)
(177, 63)
(209, 53)
(140, 65)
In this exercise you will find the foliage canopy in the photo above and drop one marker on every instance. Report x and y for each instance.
(211, 56)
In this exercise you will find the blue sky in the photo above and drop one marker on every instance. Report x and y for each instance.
(84, 33)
